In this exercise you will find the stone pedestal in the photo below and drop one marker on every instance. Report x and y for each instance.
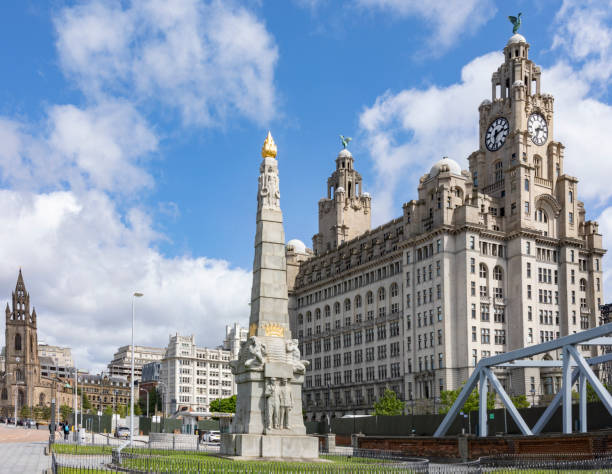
(270, 446)
(330, 442)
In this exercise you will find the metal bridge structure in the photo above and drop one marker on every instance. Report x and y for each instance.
(574, 368)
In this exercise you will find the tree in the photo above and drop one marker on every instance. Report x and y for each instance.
(65, 412)
(46, 413)
(520, 401)
(224, 405)
(86, 404)
(25, 412)
(388, 404)
(591, 393)
(448, 397)
(153, 402)
(108, 410)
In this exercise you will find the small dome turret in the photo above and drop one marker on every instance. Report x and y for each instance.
(297, 245)
(445, 164)
(516, 38)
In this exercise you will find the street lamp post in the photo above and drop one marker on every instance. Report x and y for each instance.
(134, 296)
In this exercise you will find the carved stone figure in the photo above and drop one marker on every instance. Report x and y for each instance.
(286, 403)
(255, 354)
(299, 366)
(272, 404)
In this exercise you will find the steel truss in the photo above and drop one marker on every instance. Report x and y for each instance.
(575, 368)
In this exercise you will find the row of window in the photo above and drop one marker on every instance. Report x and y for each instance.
(350, 284)
(348, 338)
(427, 363)
(346, 377)
(381, 296)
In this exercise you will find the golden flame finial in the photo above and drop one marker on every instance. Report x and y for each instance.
(269, 147)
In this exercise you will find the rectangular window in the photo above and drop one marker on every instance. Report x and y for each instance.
(526, 207)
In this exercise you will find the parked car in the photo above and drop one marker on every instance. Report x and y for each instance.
(212, 437)
(3, 419)
(122, 432)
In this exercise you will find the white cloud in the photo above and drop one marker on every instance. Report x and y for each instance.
(82, 260)
(408, 131)
(96, 147)
(582, 124)
(70, 182)
(206, 59)
(449, 19)
(584, 34)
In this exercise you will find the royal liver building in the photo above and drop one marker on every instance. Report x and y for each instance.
(483, 261)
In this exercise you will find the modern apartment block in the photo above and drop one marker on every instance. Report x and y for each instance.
(191, 377)
(480, 262)
(121, 364)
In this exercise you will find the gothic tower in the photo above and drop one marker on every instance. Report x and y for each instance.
(345, 213)
(22, 367)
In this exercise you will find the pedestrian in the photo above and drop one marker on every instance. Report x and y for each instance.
(66, 431)
(36, 424)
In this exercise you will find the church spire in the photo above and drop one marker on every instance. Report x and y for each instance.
(21, 301)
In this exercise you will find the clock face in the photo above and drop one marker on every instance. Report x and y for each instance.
(537, 128)
(497, 133)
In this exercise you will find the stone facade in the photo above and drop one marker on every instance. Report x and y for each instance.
(21, 382)
(191, 377)
(482, 262)
(104, 391)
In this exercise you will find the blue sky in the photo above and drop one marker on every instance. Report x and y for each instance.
(131, 134)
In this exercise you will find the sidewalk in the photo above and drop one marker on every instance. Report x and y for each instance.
(23, 458)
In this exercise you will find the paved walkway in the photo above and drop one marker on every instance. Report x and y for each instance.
(27, 458)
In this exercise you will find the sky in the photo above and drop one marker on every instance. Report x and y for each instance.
(130, 137)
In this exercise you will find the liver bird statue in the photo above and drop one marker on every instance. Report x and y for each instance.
(516, 21)
(345, 140)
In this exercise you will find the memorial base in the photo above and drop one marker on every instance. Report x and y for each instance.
(270, 446)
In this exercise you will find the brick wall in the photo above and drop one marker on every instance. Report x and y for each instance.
(448, 447)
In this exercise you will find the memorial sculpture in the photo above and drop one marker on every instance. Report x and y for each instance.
(269, 372)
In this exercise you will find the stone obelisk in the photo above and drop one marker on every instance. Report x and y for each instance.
(269, 372)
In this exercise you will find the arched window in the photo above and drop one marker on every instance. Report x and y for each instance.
(369, 297)
(347, 305)
(393, 290)
(498, 273)
(537, 164)
(541, 216)
(19, 375)
(317, 313)
(336, 308)
(308, 317)
(499, 171)
(41, 399)
(4, 394)
(381, 294)
(17, 342)
(357, 301)
(327, 311)
(571, 196)
(583, 284)
(300, 318)
(483, 270)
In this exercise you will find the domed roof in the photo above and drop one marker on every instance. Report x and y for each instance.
(298, 245)
(516, 38)
(344, 153)
(366, 194)
(445, 162)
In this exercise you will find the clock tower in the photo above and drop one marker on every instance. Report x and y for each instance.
(519, 164)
